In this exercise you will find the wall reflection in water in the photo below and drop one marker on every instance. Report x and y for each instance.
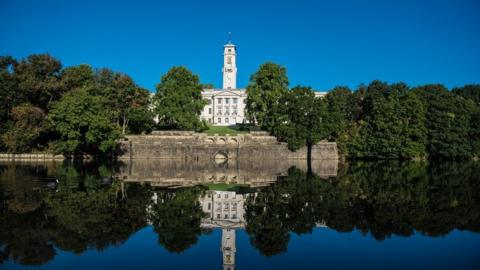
(78, 207)
(254, 173)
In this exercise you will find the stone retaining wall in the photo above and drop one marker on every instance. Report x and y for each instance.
(196, 146)
(31, 157)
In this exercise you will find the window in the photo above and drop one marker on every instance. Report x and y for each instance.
(227, 111)
(218, 216)
(234, 111)
(234, 100)
(219, 112)
(226, 120)
(219, 100)
(209, 110)
(219, 121)
(234, 216)
(209, 101)
(226, 216)
(209, 206)
(227, 100)
(209, 120)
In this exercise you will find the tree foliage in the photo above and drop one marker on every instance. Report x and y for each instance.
(392, 126)
(28, 124)
(302, 119)
(448, 122)
(176, 217)
(267, 86)
(38, 79)
(29, 88)
(178, 101)
(84, 124)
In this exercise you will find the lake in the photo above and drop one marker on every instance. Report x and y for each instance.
(159, 214)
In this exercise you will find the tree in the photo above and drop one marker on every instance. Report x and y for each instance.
(266, 87)
(176, 217)
(178, 101)
(38, 79)
(9, 95)
(448, 121)
(29, 122)
(139, 114)
(77, 77)
(392, 124)
(469, 91)
(301, 119)
(84, 124)
(340, 115)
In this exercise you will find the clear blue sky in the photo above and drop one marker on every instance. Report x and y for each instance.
(321, 43)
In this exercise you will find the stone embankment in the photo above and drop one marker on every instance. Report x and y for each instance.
(185, 145)
(32, 157)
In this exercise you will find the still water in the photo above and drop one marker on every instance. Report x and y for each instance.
(239, 215)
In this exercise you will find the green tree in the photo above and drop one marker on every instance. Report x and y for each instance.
(77, 77)
(84, 124)
(124, 97)
(9, 94)
(392, 124)
(340, 110)
(266, 87)
(140, 115)
(178, 101)
(176, 217)
(301, 119)
(469, 91)
(38, 78)
(23, 136)
(448, 121)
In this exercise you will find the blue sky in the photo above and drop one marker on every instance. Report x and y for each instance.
(321, 43)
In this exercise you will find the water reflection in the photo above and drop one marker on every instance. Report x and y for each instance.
(90, 209)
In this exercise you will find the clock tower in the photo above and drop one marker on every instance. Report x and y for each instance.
(229, 66)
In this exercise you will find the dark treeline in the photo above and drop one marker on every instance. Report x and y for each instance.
(79, 110)
(72, 110)
(417, 198)
(376, 121)
(91, 210)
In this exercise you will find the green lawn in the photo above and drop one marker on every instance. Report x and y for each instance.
(225, 187)
(232, 130)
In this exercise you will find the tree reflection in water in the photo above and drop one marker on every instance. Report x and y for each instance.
(381, 199)
(89, 210)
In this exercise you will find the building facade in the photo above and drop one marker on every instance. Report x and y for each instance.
(226, 106)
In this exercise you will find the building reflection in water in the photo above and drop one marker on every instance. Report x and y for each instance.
(225, 209)
(46, 207)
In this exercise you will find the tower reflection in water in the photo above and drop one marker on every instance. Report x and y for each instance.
(229, 184)
(49, 210)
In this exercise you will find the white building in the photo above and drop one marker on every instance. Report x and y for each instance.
(226, 106)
